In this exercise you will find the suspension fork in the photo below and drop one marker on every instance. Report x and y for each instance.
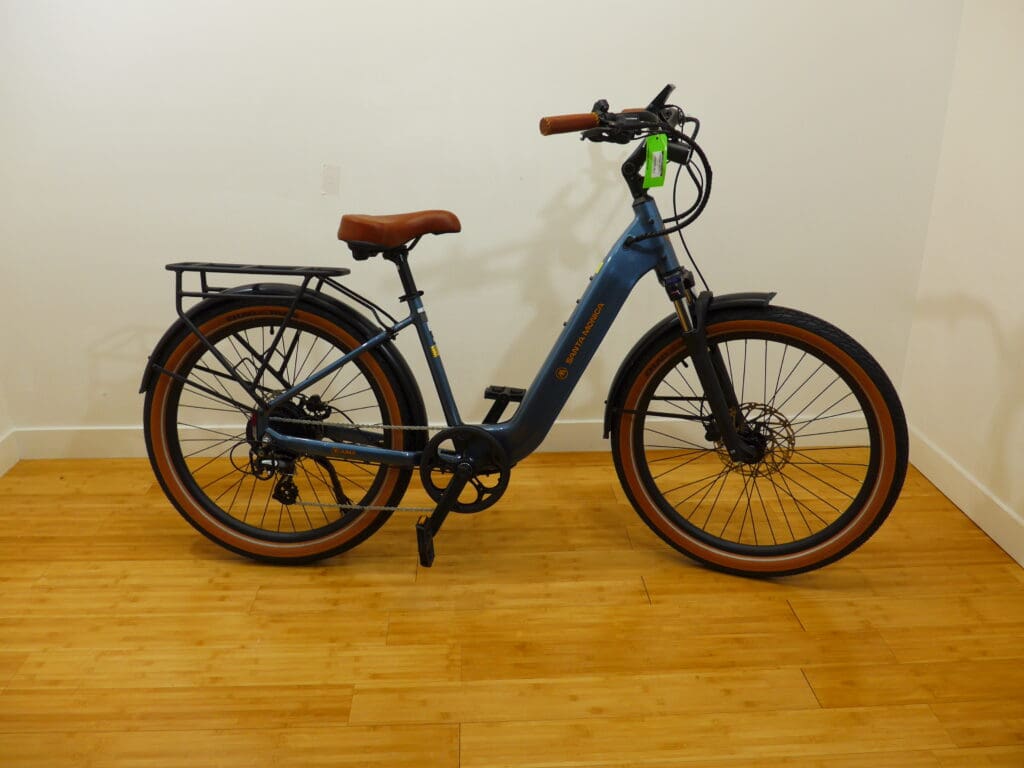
(708, 363)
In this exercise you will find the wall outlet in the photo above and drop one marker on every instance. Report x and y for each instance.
(330, 180)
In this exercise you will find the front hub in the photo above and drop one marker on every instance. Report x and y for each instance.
(770, 434)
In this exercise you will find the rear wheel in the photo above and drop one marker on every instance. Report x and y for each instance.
(829, 427)
(249, 497)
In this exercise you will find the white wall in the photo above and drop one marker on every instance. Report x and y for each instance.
(965, 368)
(9, 453)
(8, 440)
(135, 134)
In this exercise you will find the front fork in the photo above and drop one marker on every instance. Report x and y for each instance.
(707, 361)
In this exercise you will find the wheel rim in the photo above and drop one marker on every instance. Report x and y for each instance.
(216, 461)
(821, 439)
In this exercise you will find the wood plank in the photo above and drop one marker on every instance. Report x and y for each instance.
(195, 575)
(196, 665)
(841, 580)
(48, 477)
(66, 601)
(467, 535)
(480, 595)
(860, 686)
(417, 746)
(947, 643)
(942, 580)
(496, 567)
(597, 623)
(581, 697)
(923, 759)
(15, 583)
(989, 757)
(928, 536)
(186, 544)
(665, 651)
(1004, 608)
(702, 736)
(984, 723)
(10, 663)
(228, 629)
(211, 707)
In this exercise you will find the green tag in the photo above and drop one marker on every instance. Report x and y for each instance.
(657, 159)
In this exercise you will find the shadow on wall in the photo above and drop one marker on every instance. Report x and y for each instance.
(556, 251)
(957, 310)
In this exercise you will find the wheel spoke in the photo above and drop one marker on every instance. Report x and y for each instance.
(677, 466)
(809, 471)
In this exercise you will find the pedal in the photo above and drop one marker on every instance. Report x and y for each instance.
(425, 542)
(501, 396)
(428, 525)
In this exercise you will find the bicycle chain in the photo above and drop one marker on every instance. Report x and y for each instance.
(369, 507)
(314, 423)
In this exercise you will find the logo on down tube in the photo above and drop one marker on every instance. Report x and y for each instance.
(563, 372)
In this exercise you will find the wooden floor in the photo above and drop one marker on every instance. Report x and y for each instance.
(553, 630)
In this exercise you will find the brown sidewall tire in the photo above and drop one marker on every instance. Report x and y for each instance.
(195, 512)
(885, 412)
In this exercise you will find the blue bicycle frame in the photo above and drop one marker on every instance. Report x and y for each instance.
(610, 286)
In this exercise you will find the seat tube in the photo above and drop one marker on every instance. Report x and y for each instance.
(413, 298)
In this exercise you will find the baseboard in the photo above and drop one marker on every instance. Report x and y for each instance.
(81, 442)
(124, 442)
(1004, 525)
(9, 454)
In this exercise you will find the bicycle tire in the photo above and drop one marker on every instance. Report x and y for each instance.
(314, 333)
(802, 480)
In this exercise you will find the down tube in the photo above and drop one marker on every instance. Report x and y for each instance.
(586, 328)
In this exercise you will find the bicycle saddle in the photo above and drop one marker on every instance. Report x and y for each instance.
(392, 231)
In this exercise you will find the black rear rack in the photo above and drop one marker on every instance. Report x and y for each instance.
(312, 279)
(204, 268)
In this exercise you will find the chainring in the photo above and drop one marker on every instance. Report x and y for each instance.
(456, 446)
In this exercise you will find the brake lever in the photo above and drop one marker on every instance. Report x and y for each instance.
(614, 135)
(661, 99)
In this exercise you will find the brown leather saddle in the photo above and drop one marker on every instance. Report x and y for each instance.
(371, 234)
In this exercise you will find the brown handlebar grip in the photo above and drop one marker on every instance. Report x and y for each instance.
(568, 123)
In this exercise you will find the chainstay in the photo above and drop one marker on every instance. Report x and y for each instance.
(317, 422)
(357, 507)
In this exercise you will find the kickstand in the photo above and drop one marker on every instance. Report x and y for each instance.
(427, 527)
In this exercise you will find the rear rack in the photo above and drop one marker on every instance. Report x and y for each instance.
(205, 268)
(312, 279)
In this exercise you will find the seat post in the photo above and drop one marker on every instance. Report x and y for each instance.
(400, 258)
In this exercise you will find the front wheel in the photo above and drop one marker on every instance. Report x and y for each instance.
(829, 426)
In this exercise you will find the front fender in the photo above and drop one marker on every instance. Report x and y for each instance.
(656, 336)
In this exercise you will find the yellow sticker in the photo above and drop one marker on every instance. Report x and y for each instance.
(434, 352)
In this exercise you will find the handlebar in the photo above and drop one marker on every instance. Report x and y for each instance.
(600, 124)
(629, 125)
(568, 123)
